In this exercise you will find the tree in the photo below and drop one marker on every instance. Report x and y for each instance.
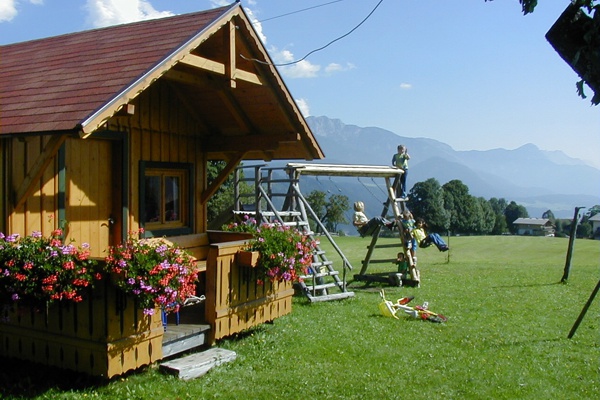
(512, 213)
(318, 203)
(576, 38)
(488, 218)
(336, 208)
(463, 208)
(498, 205)
(330, 212)
(500, 226)
(426, 200)
(548, 214)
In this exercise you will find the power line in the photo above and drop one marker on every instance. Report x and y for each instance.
(299, 11)
(320, 48)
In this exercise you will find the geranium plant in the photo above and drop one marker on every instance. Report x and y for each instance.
(36, 270)
(157, 273)
(285, 253)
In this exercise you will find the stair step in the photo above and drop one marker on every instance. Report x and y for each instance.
(183, 337)
(198, 364)
(311, 288)
(320, 275)
(321, 264)
(328, 297)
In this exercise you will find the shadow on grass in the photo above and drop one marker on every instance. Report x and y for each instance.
(27, 379)
(24, 379)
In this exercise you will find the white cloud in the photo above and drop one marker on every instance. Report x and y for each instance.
(112, 12)
(256, 24)
(303, 106)
(220, 3)
(8, 8)
(405, 86)
(335, 67)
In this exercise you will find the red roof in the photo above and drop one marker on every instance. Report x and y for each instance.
(54, 84)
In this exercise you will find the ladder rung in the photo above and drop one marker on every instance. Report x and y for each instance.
(392, 260)
(383, 246)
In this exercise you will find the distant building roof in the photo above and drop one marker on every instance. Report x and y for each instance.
(595, 217)
(532, 221)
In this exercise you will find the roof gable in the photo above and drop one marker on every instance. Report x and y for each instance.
(54, 84)
(77, 82)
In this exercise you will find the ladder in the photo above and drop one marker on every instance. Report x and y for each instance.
(277, 198)
(398, 207)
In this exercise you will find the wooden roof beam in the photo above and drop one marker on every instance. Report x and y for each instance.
(27, 187)
(218, 68)
(246, 143)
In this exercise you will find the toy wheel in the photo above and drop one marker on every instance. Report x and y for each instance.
(439, 318)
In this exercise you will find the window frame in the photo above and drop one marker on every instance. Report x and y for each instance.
(157, 168)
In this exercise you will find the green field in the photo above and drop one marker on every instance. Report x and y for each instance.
(506, 336)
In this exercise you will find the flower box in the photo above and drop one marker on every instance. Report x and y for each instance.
(107, 334)
(247, 258)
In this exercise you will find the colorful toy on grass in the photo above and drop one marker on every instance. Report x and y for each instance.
(389, 309)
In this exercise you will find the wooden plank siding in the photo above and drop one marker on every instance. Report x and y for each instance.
(105, 335)
(39, 210)
(161, 130)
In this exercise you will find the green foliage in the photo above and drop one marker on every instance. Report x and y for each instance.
(285, 253)
(426, 200)
(156, 273)
(221, 203)
(464, 209)
(37, 270)
(336, 208)
(331, 211)
(512, 212)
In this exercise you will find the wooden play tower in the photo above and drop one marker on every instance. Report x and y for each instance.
(277, 197)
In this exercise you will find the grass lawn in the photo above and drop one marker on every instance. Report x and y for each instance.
(506, 336)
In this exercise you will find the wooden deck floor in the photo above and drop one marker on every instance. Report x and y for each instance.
(191, 332)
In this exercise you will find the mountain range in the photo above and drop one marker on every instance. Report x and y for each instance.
(537, 179)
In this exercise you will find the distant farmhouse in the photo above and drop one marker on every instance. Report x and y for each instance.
(595, 220)
(534, 227)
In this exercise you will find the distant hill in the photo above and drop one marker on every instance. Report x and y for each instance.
(539, 180)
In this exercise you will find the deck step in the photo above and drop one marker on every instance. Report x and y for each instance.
(183, 337)
(198, 364)
(328, 297)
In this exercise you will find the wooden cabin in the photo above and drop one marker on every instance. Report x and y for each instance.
(109, 130)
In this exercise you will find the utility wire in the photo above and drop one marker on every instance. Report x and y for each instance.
(320, 48)
(299, 11)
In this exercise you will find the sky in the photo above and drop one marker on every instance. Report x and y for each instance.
(474, 74)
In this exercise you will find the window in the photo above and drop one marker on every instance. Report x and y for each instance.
(165, 198)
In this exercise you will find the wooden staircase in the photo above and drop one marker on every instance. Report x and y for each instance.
(277, 198)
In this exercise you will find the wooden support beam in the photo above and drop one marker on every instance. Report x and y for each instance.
(218, 68)
(37, 170)
(230, 65)
(247, 143)
(212, 188)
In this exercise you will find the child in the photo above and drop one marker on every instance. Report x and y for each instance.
(408, 226)
(404, 277)
(400, 160)
(364, 225)
(425, 240)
